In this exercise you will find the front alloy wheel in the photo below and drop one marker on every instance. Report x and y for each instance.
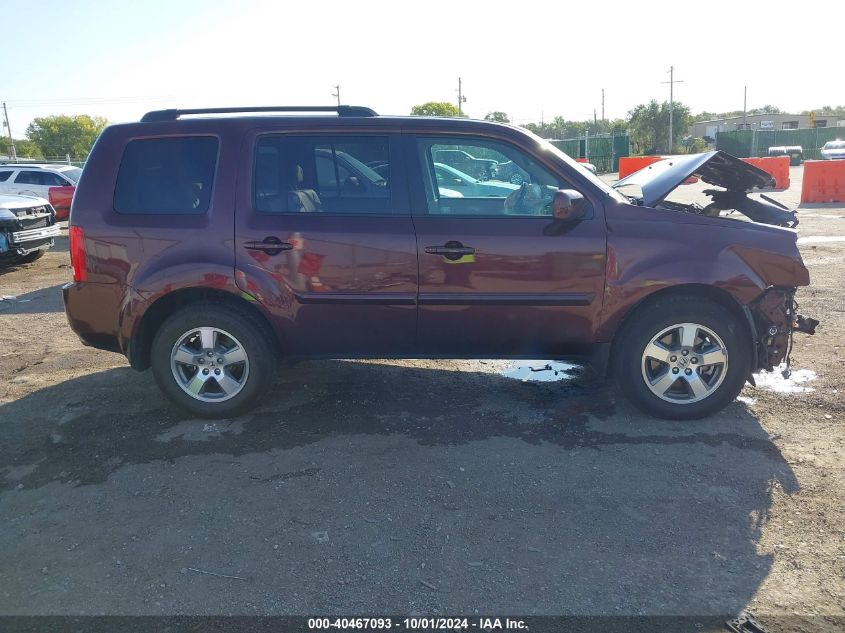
(684, 363)
(682, 357)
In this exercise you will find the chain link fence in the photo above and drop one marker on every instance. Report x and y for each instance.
(603, 150)
(753, 143)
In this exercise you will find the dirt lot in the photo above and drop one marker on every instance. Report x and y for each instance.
(417, 487)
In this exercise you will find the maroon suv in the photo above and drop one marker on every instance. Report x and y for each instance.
(210, 247)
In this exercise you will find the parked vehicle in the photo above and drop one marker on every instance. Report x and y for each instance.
(27, 229)
(55, 183)
(466, 185)
(833, 150)
(795, 153)
(210, 248)
(481, 168)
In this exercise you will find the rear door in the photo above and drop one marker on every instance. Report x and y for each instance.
(498, 275)
(326, 243)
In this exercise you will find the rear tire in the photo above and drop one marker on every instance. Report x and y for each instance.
(214, 360)
(682, 358)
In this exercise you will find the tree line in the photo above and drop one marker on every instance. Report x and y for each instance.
(57, 136)
(647, 124)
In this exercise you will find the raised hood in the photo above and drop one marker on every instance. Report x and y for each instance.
(716, 168)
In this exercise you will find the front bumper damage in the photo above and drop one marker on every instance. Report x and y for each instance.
(774, 320)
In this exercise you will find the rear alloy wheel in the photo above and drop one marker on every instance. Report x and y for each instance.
(209, 364)
(213, 359)
(682, 358)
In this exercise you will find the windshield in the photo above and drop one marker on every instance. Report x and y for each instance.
(72, 173)
(834, 145)
(598, 182)
(368, 172)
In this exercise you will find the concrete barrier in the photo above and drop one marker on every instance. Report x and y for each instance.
(775, 166)
(629, 164)
(824, 181)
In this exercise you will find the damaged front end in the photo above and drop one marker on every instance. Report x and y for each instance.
(652, 184)
(774, 318)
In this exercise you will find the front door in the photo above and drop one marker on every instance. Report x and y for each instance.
(326, 243)
(498, 276)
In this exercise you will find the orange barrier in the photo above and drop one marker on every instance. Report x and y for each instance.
(824, 181)
(776, 166)
(629, 164)
(580, 160)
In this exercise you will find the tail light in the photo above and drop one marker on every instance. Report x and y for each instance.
(77, 253)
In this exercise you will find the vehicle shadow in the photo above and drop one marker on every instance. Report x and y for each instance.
(38, 301)
(382, 482)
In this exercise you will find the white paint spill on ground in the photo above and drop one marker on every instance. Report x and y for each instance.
(749, 401)
(774, 381)
(820, 239)
(534, 370)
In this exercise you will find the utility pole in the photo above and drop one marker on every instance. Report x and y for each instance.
(672, 81)
(336, 92)
(744, 107)
(461, 98)
(602, 104)
(8, 127)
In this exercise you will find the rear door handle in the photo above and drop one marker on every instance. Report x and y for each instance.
(271, 245)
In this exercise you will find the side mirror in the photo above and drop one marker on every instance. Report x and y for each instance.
(569, 205)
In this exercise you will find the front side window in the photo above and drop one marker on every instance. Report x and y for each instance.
(172, 175)
(484, 178)
(317, 174)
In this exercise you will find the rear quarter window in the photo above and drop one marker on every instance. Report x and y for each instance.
(172, 175)
(4, 175)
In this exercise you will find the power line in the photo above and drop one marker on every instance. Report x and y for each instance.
(29, 103)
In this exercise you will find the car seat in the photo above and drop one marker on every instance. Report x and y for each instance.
(302, 200)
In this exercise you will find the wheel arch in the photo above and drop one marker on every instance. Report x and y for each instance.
(139, 347)
(693, 291)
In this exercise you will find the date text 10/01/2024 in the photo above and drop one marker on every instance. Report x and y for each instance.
(421, 623)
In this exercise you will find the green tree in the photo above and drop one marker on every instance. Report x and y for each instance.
(648, 124)
(436, 108)
(499, 117)
(60, 135)
(24, 148)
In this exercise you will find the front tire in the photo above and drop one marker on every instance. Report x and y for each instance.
(682, 358)
(213, 360)
(29, 257)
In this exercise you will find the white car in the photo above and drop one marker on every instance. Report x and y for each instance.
(27, 229)
(35, 180)
(833, 150)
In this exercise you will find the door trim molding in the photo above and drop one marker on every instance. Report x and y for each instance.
(506, 298)
(347, 298)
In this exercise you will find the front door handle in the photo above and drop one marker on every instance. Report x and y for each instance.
(451, 250)
(271, 245)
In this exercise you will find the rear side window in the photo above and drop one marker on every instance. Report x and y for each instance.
(171, 175)
(4, 175)
(314, 174)
(44, 178)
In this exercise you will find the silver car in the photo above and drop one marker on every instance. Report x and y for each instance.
(833, 150)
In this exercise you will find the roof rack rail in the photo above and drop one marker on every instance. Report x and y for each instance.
(173, 114)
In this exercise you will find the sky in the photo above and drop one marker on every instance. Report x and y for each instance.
(530, 59)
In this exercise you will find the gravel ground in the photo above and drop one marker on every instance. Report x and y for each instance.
(426, 487)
